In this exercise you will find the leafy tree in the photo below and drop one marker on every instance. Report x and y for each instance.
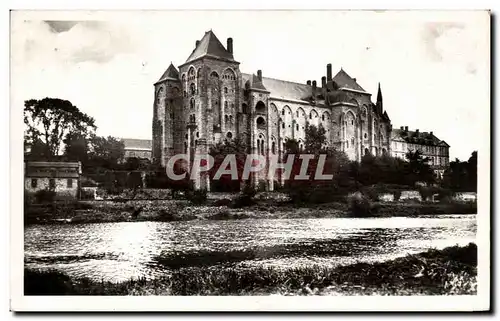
(106, 152)
(418, 168)
(219, 152)
(48, 121)
(462, 176)
(76, 147)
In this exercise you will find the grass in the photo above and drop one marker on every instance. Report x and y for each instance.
(182, 210)
(452, 270)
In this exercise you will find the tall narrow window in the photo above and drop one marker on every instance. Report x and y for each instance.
(273, 147)
(191, 103)
(258, 145)
(52, 183)
(225, 90)
(69, 183)
(34, 183)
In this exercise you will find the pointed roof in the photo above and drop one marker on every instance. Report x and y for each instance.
(210, 46)
(171, 73)
(344, 80)
(379, 94)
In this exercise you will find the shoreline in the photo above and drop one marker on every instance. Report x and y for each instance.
(182, 210)
(452, 270)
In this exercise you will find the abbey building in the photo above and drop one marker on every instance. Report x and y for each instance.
(209, 99)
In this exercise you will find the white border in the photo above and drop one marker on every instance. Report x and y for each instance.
(276, 303)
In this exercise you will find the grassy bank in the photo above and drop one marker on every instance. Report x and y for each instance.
(183, 210)
(452, 270)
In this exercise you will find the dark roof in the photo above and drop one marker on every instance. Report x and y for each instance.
(344, 80)
(281, 88)
(423, 138)
(210, 46)
(171, 73)
(132, 143)
(52, 169)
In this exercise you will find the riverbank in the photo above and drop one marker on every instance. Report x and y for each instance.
(183, 210)
(451, 271)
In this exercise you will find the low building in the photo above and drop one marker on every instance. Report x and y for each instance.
(437, 150)
(61, 177)
(138, 148)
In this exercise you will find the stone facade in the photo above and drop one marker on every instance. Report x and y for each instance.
(61, 177)
(138, 148)
(208, 99)
(404, 140)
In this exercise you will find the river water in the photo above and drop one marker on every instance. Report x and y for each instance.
(120, 251)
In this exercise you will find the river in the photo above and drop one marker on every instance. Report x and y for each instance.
(120, 251)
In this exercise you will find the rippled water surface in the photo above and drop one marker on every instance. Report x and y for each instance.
(120, 251)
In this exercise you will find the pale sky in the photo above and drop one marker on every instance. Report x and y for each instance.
(434, 67)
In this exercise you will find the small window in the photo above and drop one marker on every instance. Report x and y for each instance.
(352, 141)
(34, 183)
(323, 117)
(273, 146)
(197, 134)
(283, 125)
(283, 112)
(366, 135)
(229, 135)
(225, 104)
(310, 116)
(52, 183)
(297, 113)
(225, 90)
(69, 183)
(297, 126)
(352, 122)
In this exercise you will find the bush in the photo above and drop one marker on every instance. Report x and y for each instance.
(45, 196)
(359, 205)
(246, 197)
(197, 197)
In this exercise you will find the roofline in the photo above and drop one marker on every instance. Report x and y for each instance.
(164, 79)
(344, 104)
(355, 91)
(207, 56)
(304, 102)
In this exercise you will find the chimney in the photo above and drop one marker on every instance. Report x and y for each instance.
(417, 132)
(402, 127)
(406, 128)
(308, 83)
(329, 72)
(230, 45)
(197, 43)
(323, 82)
(354, 79)
(259, 75)
(431, 133)
(314, 89)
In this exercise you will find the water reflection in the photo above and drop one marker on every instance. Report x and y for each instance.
(119, 251)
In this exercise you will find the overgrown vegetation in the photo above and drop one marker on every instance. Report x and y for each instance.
(452, 270)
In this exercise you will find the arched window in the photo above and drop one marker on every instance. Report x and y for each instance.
(297, 113)
(185, 93)
(231, 118)
(197, 134)
(323, 117)
(352, 142)
(297, 127)
(191, 74)
(225, 90)
(192, 89)
(226, 118)
(283, 112)
(310, 116)
(273, 147)
(192, 103)
(229, 135)
(352, 121)
(225, 104)
(214, 75)
(258, 145)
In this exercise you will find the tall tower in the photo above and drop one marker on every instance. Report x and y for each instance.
(167, 104)
(210, 79)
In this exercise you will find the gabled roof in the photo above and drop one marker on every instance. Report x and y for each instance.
(423, 138)
(210, 46)
(344, 80)
(171, 73)
(281, 88)
(136, 144)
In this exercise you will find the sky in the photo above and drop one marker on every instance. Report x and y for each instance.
(433, 67)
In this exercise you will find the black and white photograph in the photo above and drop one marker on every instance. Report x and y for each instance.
(336, 159)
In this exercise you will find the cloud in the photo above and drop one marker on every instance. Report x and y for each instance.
(74, 41)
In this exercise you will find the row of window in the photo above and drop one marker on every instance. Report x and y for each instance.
(52, 183)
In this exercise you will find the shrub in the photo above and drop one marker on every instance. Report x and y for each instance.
(359, 205)
(45, 196)
(246, 197)
(197, 196)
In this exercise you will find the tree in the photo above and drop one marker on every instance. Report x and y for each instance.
(50, 120)
(418, 168)
(106, 152)
(462, 176)
(219, 152)
(76, 147)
